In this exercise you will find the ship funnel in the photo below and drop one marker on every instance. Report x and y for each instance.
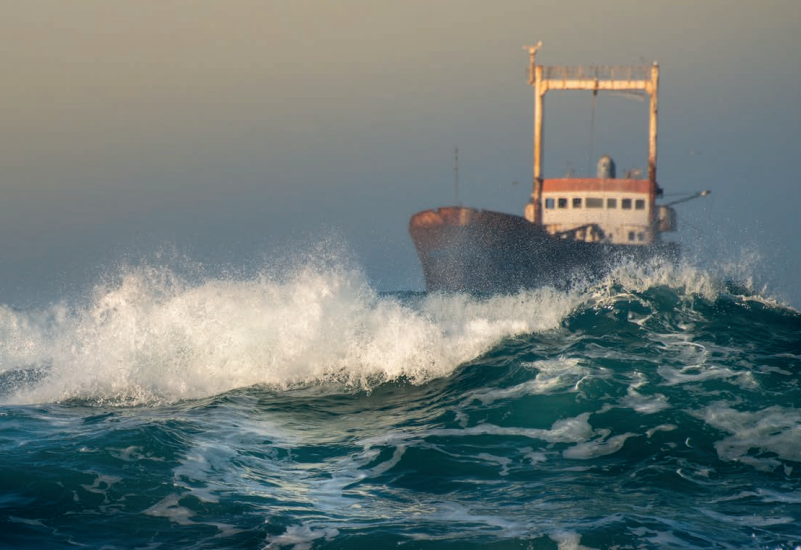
(606, 168)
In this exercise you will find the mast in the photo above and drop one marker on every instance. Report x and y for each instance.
(652, 121)
(456, 176)
(592, 78)
(534, 79)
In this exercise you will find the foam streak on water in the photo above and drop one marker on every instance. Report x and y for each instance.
(655, 409)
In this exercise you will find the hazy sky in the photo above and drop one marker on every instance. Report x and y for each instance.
(233, 131)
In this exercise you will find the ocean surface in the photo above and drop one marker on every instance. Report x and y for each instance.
(658, 408)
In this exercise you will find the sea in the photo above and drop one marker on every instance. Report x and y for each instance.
(658, 407)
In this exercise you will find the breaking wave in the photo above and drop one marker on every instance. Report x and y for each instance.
(150, 335)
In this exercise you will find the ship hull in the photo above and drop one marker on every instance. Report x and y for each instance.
(481, 251)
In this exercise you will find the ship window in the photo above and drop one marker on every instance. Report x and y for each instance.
(631, 235)
(611, 203)
(639, 204)
(625, 204)
(562, 203)
(549, 203)
(640, 236)
(577, 202)
(595, 203)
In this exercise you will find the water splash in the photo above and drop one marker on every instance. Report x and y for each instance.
(151, 335)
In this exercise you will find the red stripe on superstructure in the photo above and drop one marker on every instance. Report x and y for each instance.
(572, 185)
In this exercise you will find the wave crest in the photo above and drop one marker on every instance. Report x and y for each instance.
(154, 336)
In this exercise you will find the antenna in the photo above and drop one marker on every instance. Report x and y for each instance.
(456, 176)
(532, 59)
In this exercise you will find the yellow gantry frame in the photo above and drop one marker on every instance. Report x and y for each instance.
(636, 78)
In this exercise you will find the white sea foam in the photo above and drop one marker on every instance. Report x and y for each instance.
(568, 541)
(701, 373)
(300, 537)
(638, 277)
(169, 507)
(645, 404)
(554, 375)
(151, 335)
(774, 430)
(597, 447)
(154, 336)
(501, 461)
(534, 457)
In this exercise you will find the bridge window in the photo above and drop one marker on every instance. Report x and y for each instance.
(639, 204)
(625, 204)
(549, 203)
(577, 202)
(594, 203)
(611, 203)
(562, 203)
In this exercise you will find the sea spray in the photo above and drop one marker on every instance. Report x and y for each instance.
(156, 337)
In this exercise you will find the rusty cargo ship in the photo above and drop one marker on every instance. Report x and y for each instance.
(571, 226)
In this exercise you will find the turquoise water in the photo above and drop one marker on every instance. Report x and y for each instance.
(656, 409)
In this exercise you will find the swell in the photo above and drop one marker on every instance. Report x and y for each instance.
(154, 337)
(621, 416)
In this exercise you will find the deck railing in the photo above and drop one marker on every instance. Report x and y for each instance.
(630, 72)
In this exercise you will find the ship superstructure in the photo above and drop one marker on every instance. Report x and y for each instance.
(571, 226)
(604, 208)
